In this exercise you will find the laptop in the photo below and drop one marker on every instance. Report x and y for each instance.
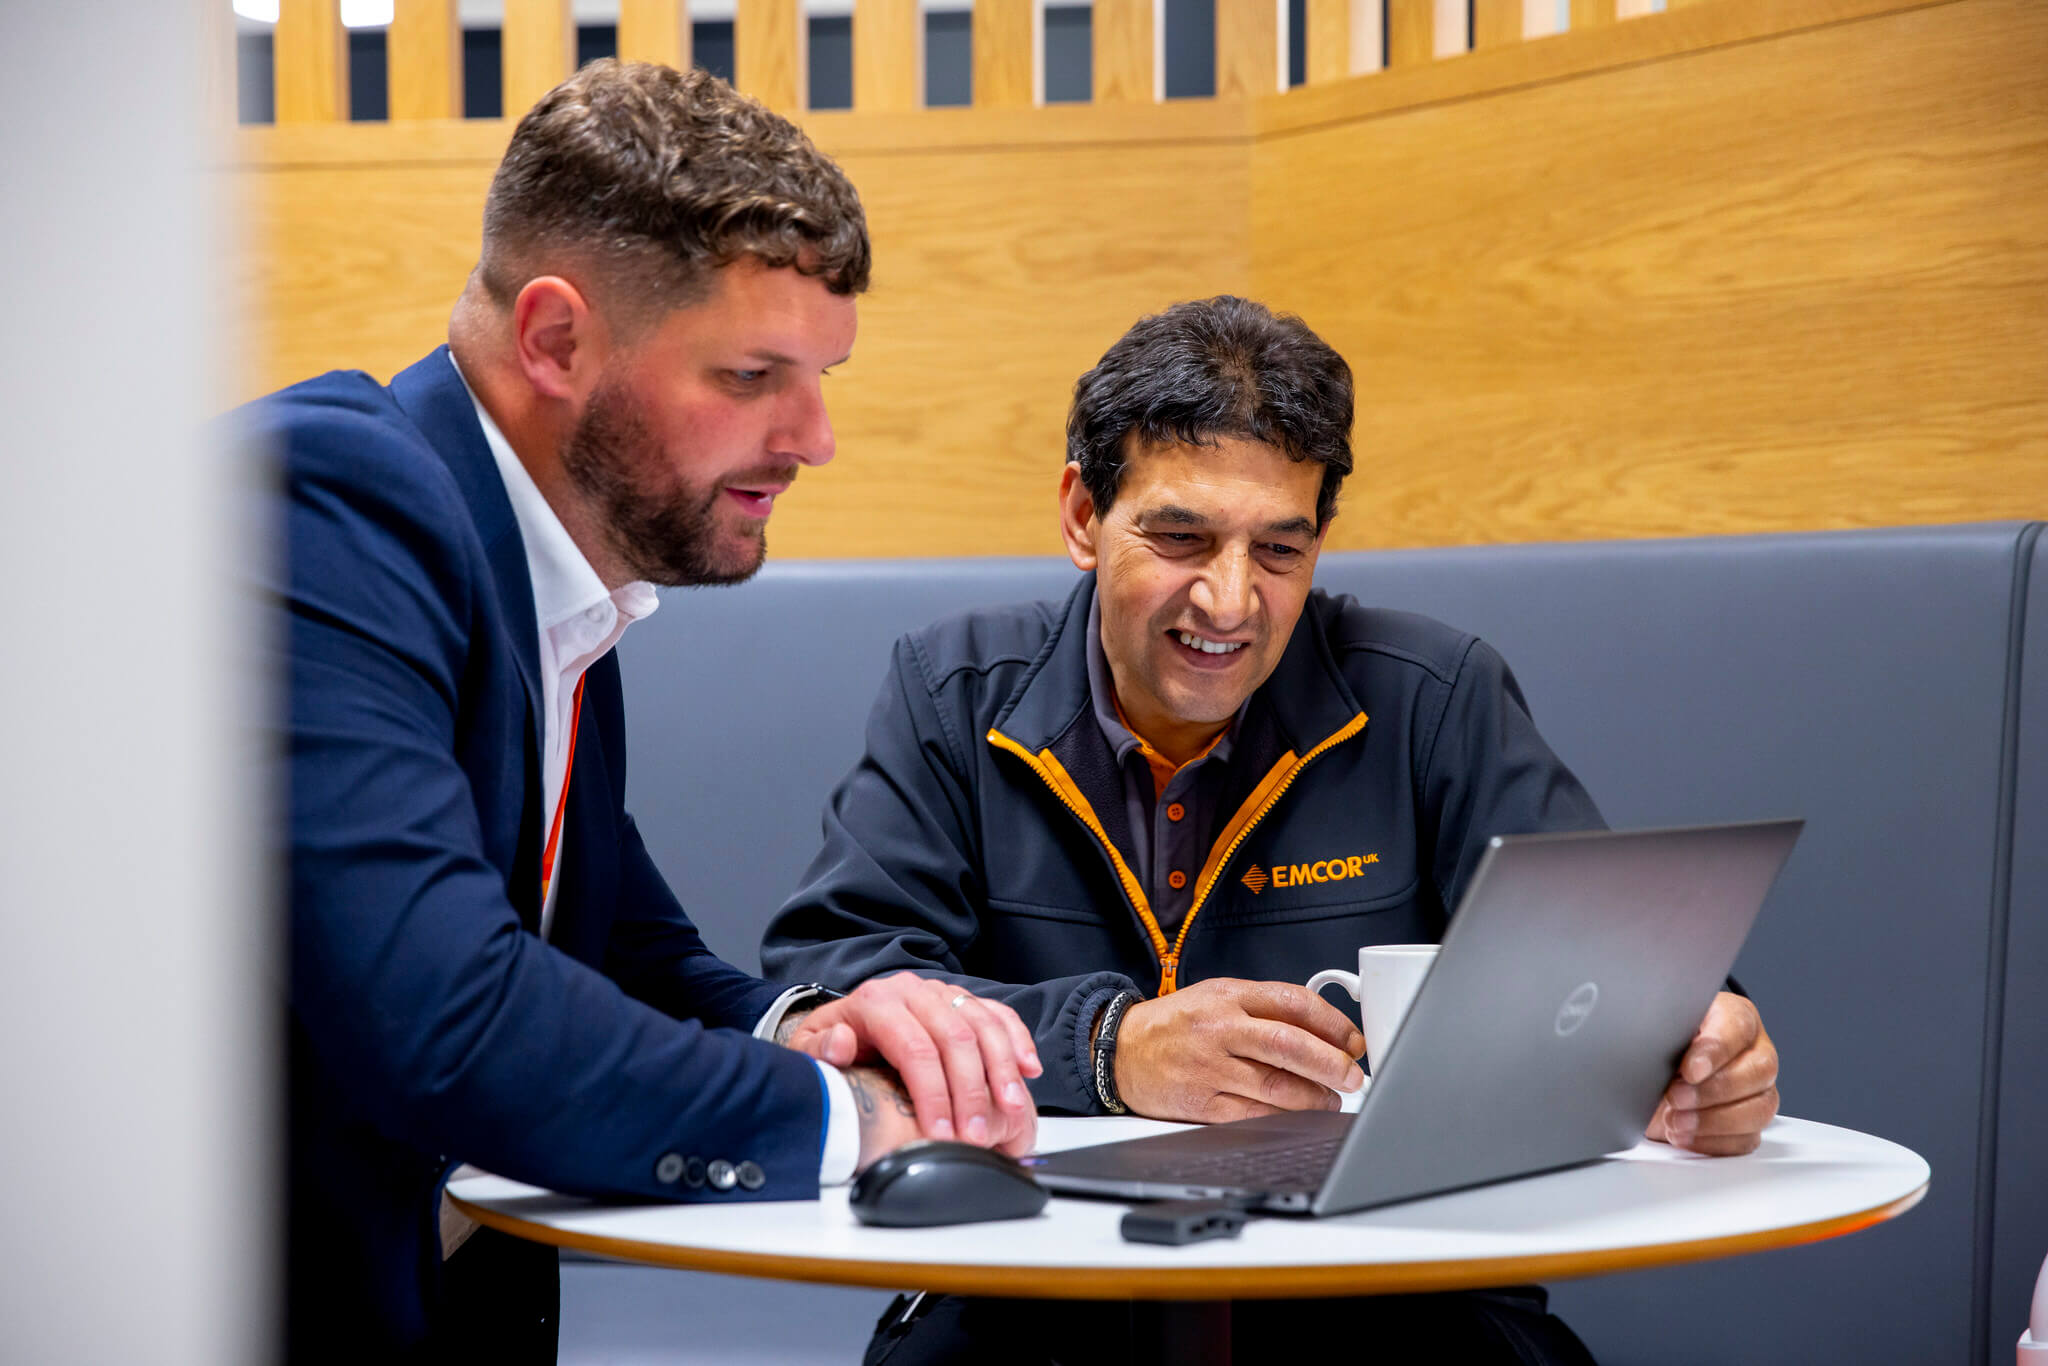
(1571, 980)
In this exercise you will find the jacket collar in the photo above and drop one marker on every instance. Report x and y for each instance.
(1305, 701)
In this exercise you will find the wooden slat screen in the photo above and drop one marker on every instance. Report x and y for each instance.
(1129, 38)
(540, 50)
(423, 54)
(771, 53)
(1251, 48)
(311, 55)
(1009, 53)
(888, 55)
(655, 31)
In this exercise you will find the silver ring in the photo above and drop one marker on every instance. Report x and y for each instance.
(958, 999)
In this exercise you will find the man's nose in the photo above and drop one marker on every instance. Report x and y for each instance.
(1223, 591)
(806, 431)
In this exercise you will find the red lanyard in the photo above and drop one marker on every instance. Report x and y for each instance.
(547, 857)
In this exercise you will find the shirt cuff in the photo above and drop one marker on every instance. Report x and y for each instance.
(842, 1129)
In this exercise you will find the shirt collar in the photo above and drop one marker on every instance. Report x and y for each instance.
(1102, 696)
(564, 584)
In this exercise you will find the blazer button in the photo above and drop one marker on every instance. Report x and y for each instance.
(751, 1176)
(693, 1173)
(721, 1175)
(669, 1169)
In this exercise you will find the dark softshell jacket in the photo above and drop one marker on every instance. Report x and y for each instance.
(983, 837)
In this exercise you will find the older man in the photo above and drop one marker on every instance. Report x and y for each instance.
(1100, 810)
(485, 965)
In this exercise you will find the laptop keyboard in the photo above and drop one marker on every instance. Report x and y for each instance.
(1300, 1166)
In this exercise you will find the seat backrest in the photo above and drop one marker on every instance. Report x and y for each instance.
(1870, 682)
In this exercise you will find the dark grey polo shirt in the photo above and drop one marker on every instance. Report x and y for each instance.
(1170, 833)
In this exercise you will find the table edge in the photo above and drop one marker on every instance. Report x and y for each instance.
(1199, 1282)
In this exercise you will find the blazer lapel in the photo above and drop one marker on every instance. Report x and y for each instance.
(433, 395)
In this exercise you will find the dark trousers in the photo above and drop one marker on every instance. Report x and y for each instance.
(501, 1302)
(1512, 1327)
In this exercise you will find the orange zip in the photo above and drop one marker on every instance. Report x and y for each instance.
(1215, 871)
(1062, 784)
(1056, 777)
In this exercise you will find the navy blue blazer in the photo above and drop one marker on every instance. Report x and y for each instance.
(428, 1024)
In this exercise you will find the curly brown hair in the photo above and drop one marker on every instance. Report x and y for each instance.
(652, 178)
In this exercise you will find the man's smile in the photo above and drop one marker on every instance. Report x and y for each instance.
(1205, 652)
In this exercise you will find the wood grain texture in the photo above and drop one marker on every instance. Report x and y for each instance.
(1009, 53)
(1496, 22)
(1800, 284)
(1251, 56)
(1587, 14)
(1596, 285)
(655, 31)
(539, 39)
(1411, 32)
(1129, 52)
(1001, 274)
(1345, 38)
(310, 50)
(888, 55)
(1494, 71)
(771, 53)
(423, 55)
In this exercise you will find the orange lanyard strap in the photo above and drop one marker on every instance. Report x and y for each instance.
(547, 857)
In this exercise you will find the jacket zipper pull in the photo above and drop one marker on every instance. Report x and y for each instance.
(1169, 969)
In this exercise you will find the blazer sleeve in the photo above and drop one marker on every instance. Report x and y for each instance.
(447, 1025)
(899, 885)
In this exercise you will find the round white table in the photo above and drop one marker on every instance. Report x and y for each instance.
(1649, 1206)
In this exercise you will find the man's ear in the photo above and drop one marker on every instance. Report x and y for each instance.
(556, 336)
(1077, 518)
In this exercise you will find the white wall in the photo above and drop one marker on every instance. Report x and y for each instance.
(136, 1166)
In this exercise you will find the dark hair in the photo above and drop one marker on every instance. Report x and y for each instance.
(1212, 368)
(653, 178)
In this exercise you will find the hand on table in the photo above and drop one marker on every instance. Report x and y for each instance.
(961, 1060)
(1224, 1049)
(1726, 1089)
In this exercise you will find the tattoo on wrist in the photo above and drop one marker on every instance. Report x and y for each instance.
(872, 1089)
(787, 1027)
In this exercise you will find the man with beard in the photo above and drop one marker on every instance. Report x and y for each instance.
(484, 964)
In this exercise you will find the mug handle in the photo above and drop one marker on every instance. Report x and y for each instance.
(1347, 980)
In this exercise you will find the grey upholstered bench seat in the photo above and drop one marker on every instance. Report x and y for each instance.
(1890, 686)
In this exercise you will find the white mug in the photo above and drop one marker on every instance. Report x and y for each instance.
(1384, 986)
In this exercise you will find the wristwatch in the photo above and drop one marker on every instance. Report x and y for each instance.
(807, 995)
(1104, 1050)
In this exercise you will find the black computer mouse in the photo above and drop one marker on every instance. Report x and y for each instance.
(936, 1181)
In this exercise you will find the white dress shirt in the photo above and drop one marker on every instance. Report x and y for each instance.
(579, 621)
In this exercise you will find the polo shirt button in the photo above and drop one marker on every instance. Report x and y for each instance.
(669, 1169)
(721, 1175)
(751, 1176)
(693, 1173)
(1174, 811)
(1176, 879)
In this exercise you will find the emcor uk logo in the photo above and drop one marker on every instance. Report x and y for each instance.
(1302, 874)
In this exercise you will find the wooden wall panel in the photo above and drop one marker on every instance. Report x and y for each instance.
(1000, 275)
(1345, 38)
(1759, 300)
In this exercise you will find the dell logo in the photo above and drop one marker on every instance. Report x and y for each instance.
(1577, 1009)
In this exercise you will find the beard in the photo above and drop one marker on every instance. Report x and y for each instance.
(663, 527)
